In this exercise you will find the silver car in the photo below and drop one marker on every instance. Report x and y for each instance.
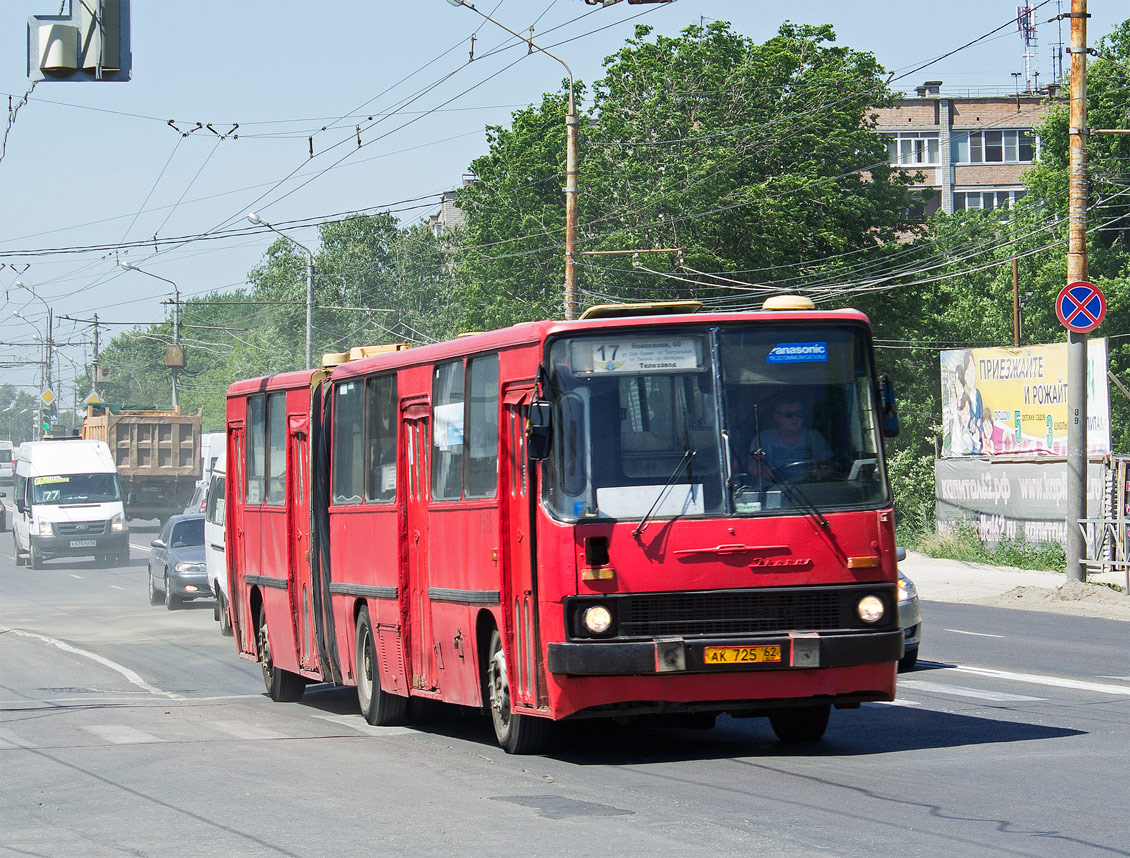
(176, 562)
(910, 619)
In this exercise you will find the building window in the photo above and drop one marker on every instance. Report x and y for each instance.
(912, 148)
(995, 147)
(985, 200)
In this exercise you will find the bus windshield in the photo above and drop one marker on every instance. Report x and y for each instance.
(75, 488)
(734, 420)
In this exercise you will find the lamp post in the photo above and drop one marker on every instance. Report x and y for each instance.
(258, 221)
(128, 266)
(570, 167)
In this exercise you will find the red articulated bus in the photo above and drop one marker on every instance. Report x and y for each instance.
(641, 512)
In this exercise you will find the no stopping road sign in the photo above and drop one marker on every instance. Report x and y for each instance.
(1080, 306)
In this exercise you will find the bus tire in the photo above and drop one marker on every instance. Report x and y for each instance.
(282, 685)
(380, 708)
(34, 558)
(800, 723)
(225, 617)
(17, 555)
(517, 734)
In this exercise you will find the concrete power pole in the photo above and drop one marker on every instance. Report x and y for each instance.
(1077, 271)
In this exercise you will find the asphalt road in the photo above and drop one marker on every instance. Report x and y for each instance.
(127, 729)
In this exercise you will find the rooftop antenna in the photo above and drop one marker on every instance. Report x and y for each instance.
(1026, 24)
(1057, 54)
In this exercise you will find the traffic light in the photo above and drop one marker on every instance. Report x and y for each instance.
(92, 42)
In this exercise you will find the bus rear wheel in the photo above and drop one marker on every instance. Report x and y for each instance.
(517, 734)
(380, 708)
(800, 723)
(282, 685)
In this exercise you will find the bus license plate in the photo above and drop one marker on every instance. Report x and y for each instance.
(741, 654)
(83, 543)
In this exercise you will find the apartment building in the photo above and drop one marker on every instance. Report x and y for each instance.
(972, 149)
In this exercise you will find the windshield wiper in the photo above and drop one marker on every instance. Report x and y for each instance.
(688, 454)
(802, 500)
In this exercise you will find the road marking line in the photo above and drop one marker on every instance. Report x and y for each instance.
(120, 734)
(1054, 681)
(132, 677)
(973, 634)
(77, 577)
(959, 691)
(891, 703)
(8, 740)
(358, 723)
(244, 731)
(116, 587)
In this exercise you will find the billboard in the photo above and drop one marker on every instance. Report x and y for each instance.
(1008, 501)
(1006, 401)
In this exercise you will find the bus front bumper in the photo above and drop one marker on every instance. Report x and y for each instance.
(679, 655)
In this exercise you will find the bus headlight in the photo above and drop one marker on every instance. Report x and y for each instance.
(596, 620)
(45, 528)
(870, 609)
(117, 523)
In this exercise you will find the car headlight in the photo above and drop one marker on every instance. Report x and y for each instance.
(188, 568)
(45, 528)
(907, 591)
(870, 609)
(596, 620)
(117, 523)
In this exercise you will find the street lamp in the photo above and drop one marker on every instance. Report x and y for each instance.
(128, 266)
(570, 167)
(258, 221)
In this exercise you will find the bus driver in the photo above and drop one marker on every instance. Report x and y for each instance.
(790, 451)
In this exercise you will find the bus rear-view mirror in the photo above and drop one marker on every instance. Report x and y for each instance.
(539, 430)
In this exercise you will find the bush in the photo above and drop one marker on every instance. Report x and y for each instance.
(962, 543)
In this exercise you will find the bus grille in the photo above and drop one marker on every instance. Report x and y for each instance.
(734, 613)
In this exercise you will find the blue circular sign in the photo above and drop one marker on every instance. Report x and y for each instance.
(1080, 306)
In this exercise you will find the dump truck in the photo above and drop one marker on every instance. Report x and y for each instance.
(157, 453)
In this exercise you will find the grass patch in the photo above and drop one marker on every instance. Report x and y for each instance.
(961, 543)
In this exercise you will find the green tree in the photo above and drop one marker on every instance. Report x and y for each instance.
(753, 158)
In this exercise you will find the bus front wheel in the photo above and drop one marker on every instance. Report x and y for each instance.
(517, 734)
(380, 708)
(800, 723)
(282, 685)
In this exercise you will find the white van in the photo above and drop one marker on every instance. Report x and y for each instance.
(215, 555)
(68, 503)
(5, 463)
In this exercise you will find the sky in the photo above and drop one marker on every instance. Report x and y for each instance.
(227, 100)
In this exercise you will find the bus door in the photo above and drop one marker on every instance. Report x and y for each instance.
(417, 607)
(235, 537)
(298, 529)
(517, 537)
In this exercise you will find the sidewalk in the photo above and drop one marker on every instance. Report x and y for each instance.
(940, 580)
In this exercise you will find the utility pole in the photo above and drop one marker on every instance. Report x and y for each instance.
(1015, 301)
(94, 380)
(1077, 271)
